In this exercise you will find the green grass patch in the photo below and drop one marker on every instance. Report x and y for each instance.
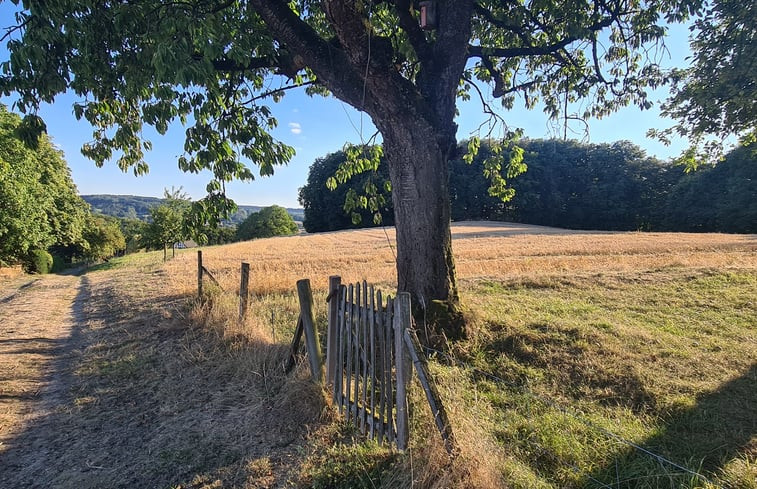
(665, 360)
(348, 463)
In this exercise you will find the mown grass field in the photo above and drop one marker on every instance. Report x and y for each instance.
(597, 341)
(581, 344)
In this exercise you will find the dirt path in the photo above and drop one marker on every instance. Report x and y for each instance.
(103, 383)
(36, 319)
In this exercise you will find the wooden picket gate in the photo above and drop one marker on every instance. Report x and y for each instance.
(369, 383)
(370, 353)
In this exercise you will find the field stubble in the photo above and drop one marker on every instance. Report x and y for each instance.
(648, 335)
(481, 250)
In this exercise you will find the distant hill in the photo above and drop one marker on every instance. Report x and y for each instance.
(122, 205)
(138, 207)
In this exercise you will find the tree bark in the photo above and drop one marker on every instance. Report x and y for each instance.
(416, 120)
(418, 171)
(418, 167)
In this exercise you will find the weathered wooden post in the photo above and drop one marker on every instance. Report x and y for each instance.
(403, 367)
(332, 333)
(199, 274)
(432, 395)
(294, 347)
(243, 291)
(308, 324)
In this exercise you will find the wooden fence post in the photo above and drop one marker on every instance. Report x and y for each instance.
(199, 273)
(243, 291)
(294, 347)
(432, 395)
(308, 324)
(403, 367)
(332, 333)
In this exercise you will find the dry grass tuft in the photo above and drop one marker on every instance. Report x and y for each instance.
(478, 461)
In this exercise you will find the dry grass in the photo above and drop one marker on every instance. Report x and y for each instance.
(8, 273)
(623, 279)
(112, 380)
(28, 347)
(643, 333)
(481, 250)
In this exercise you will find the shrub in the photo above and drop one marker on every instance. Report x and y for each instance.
(270, 221)
(38, 261)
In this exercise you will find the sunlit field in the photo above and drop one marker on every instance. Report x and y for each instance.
(481, 250)
(582, 346)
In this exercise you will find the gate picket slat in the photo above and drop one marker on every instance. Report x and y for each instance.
(381, 364)
(339, 379)
(372, 325)
(364, 357)
(388, 344)
(356, 353)
(348, 373)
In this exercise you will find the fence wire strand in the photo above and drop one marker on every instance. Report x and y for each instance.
(428, 352)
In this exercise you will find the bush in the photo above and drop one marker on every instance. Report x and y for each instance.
(270, 221)
(38, 261)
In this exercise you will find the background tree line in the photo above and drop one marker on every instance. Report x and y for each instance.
(138, 207)
(571, 185)
(41, 213)
(170, 224)
(45, 225)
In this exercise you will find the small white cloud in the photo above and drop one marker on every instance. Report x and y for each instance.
(295, 127)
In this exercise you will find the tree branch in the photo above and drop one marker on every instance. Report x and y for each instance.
(409, 24)
(350, 25)
(489, 16)
(529, 49)
(10, 30)
(283, 64)
(487, 109)
(328, 60)
(482, 51)
(276, 91)
(521, 86)
(229, 65)
(595, 57)
(499, 86)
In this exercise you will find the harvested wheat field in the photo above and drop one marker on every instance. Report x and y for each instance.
(482, 249)
(121, 378)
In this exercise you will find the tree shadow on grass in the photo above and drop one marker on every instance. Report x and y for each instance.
(721, 426)
(136, 397)
(565, 353)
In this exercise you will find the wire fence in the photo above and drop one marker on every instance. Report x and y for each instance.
(568, 412)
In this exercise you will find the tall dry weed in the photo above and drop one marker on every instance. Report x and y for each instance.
(476, 462)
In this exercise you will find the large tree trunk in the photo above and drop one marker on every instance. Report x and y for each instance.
(415, 116)
(418, 167)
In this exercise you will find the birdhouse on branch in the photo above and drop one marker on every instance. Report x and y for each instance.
(428, 15)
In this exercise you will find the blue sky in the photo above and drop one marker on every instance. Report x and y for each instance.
(315, 127)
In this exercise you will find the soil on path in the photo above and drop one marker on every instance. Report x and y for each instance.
(36, 318)
(103, 383)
